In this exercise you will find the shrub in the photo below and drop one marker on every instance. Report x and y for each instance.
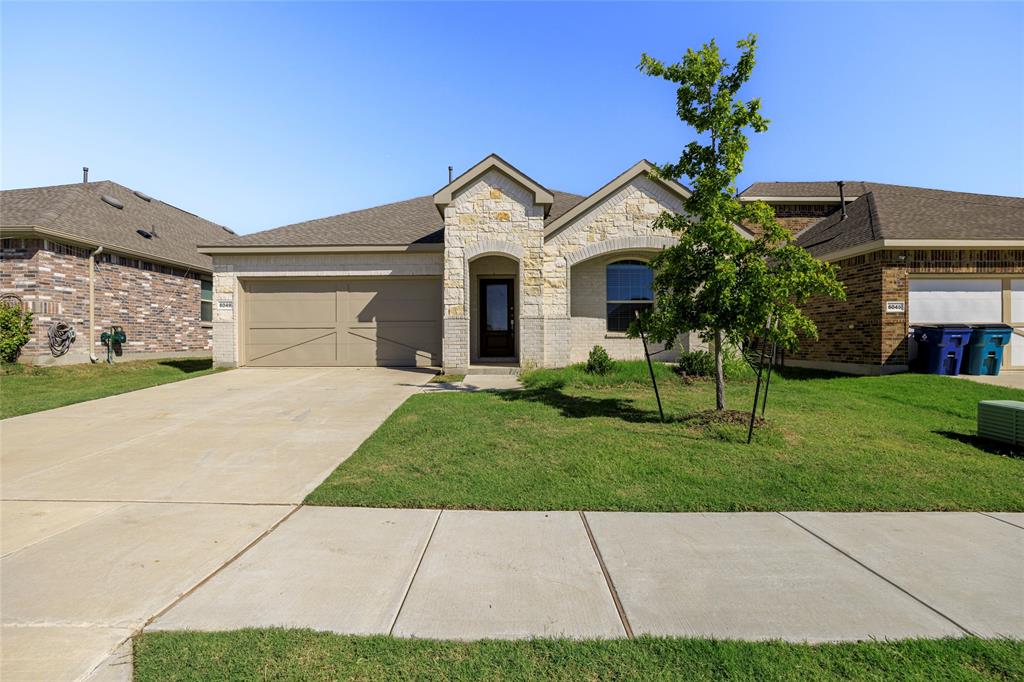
(701, 363)
(15, 327)
(598, 361)
(697, 363)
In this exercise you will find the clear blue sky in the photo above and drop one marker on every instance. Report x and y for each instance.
(255, 115)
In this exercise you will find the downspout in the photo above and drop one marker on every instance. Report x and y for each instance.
(92, 304)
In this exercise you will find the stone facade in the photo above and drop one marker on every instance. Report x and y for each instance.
(495, 215)
(857, 335)
(619, 228)
(559, 278)
(158, 306)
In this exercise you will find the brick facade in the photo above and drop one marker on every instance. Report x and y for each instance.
(158, 306)
(797, 217)
(858, 333)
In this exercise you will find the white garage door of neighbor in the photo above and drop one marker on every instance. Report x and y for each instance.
(394, 322)
(956, 301)
(971, 301)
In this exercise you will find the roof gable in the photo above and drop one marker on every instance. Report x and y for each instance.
(541, 195)
(640, 168)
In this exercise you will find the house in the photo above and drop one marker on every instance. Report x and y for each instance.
(96, 254)
(907, 256)
(494, 268)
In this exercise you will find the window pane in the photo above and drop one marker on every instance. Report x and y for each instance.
(497, 307)
(629, 281)
(206, 311)
(621, 315)
(206, 290)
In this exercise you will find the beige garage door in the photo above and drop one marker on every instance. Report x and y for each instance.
(393, 322)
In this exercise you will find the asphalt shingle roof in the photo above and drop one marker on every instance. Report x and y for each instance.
(852, 188)
(80, 211)
(414, 221)
(898, 212)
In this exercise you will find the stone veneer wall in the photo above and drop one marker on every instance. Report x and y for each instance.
(574, 276)
(857, 334)
(158, 306)
(494, 215)
(229, 269)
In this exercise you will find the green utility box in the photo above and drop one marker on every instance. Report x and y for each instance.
(1001, 420)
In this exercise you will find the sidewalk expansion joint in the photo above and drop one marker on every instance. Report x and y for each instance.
(996, 518)
(415, 572)
(879, 575)
(608, 578)
(220, 568)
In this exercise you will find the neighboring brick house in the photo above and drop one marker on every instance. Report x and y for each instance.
(493, 268)
(907, 256)
(146, 275)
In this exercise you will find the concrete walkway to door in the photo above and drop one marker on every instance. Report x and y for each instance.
(114, 508)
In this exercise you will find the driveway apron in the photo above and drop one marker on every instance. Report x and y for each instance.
(113, 509)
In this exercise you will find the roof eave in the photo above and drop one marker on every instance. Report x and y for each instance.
(223, 249)
(912, 244)
(769, 199)
(38, 231)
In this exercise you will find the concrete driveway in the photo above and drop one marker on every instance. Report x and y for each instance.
(114, 508)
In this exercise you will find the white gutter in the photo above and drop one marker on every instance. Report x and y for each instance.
(92, 304)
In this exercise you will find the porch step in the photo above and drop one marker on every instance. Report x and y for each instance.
(494, 369)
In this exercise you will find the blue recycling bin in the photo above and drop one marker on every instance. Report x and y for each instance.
(985, 352)
(941, 347)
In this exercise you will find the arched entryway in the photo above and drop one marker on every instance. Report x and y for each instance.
(494, 309)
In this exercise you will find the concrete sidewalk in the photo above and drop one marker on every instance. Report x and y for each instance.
(798, 576)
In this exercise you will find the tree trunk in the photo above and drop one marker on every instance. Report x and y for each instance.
(719, 372)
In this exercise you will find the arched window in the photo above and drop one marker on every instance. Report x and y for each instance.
(628, 290)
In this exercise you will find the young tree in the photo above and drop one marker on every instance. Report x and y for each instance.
(716, 281)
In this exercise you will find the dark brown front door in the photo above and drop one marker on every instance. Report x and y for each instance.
(497, 319)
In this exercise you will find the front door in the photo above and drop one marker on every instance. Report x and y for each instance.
(497, 319)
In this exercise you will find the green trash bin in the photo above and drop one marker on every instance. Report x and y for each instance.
(985, 352)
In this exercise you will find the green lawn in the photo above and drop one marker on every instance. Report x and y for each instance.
(25, 389)
(575, 441)
(307, 655)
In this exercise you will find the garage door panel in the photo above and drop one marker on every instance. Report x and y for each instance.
(372, 322)
(394, 301)
(409, 343)
(292, 303)
(956, 301)
(269, 347)
(360, 346)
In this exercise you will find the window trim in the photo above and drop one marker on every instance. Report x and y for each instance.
(608, 301)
